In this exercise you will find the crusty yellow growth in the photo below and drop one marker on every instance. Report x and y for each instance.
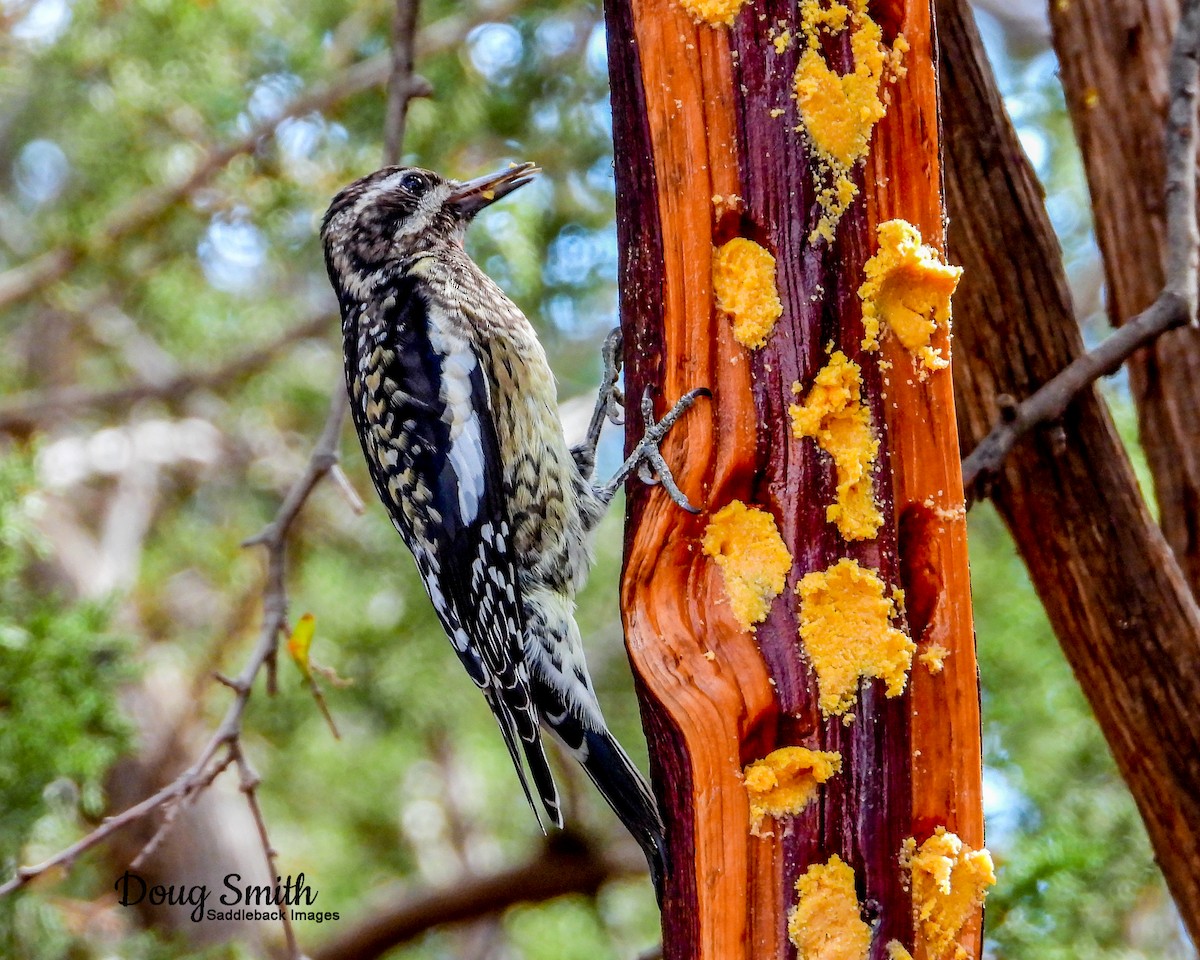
(782, 41)
(834, 415)
(713, 11)
(949, 880)
(934, 657)
(907, 290)
(754, 562)
(839, 111)
(897, 951)
(783, 781)
(744, 283)
(826, 923)
(845, 624)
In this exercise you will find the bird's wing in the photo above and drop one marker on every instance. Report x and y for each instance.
(422, 406)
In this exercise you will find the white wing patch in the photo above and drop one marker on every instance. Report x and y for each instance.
(459, 414)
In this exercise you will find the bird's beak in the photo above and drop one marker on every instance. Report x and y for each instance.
(472, 196)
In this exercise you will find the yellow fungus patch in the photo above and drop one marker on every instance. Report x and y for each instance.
(839, 111)
(744, 284)
(934, 657)
(897, 951)
(782, 782)
(782, 41)
(753, 559)
(713, 11)
(949, 881)
(907, 290)
(834, 415)
(826, 923)
(845, 624)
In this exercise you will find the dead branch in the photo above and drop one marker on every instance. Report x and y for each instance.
(404, 28)
(565, 865)
(1176, 304)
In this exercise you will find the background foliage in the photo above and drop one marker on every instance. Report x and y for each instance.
(122, 582)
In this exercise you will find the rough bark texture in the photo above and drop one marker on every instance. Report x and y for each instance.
(1113, 57)
(692, 121)
(1116, 598)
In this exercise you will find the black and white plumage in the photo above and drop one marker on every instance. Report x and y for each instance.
(455, 405)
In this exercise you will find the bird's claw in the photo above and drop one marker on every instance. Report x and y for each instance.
(652, 469)
(613, 396)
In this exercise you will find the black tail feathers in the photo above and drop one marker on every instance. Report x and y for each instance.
(627, 792)
(535, 759)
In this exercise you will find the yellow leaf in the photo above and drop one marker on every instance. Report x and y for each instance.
(300, 642)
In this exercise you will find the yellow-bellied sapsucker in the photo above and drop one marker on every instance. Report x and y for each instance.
(455, 406)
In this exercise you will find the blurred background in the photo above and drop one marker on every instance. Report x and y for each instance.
(168, 356)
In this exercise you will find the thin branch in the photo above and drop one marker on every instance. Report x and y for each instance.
(149, 207)
(1051, 400)
(248, 780)
(404, 28)
(227, 738)
(26, 410)
(1175, 306)
(65, 858)
(565, 865)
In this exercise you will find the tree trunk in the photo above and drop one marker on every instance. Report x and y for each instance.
(707, 151)
(1113, 57)
(1117, 600)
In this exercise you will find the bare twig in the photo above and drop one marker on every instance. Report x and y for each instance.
(248, 781)
(274, 535)
(218, 753)
(404, 28)
(27, 410)
(224, 747)
(149, 207)
(65, 858)
(565, 865)
(1175, 306)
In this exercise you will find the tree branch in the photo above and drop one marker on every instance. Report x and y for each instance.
(25, 411)
(225, 746)
(1176, 304)
(404, 28)
(1111, 588)
(147, 208)
(565, 865)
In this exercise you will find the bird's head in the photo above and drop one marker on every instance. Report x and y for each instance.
(396, 212)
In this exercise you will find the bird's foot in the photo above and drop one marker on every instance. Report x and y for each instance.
(610, 405)
(646, 458)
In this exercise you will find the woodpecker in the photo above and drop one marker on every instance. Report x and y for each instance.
(455, 406)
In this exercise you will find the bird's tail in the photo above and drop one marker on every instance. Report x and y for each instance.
(517, 729)
(566, 703)
(614, 774)
(627, 792)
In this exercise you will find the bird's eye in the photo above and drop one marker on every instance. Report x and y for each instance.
(414, 183)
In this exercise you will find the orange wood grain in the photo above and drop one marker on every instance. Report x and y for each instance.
(707, 691)
(713, 702)
(904, 171)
